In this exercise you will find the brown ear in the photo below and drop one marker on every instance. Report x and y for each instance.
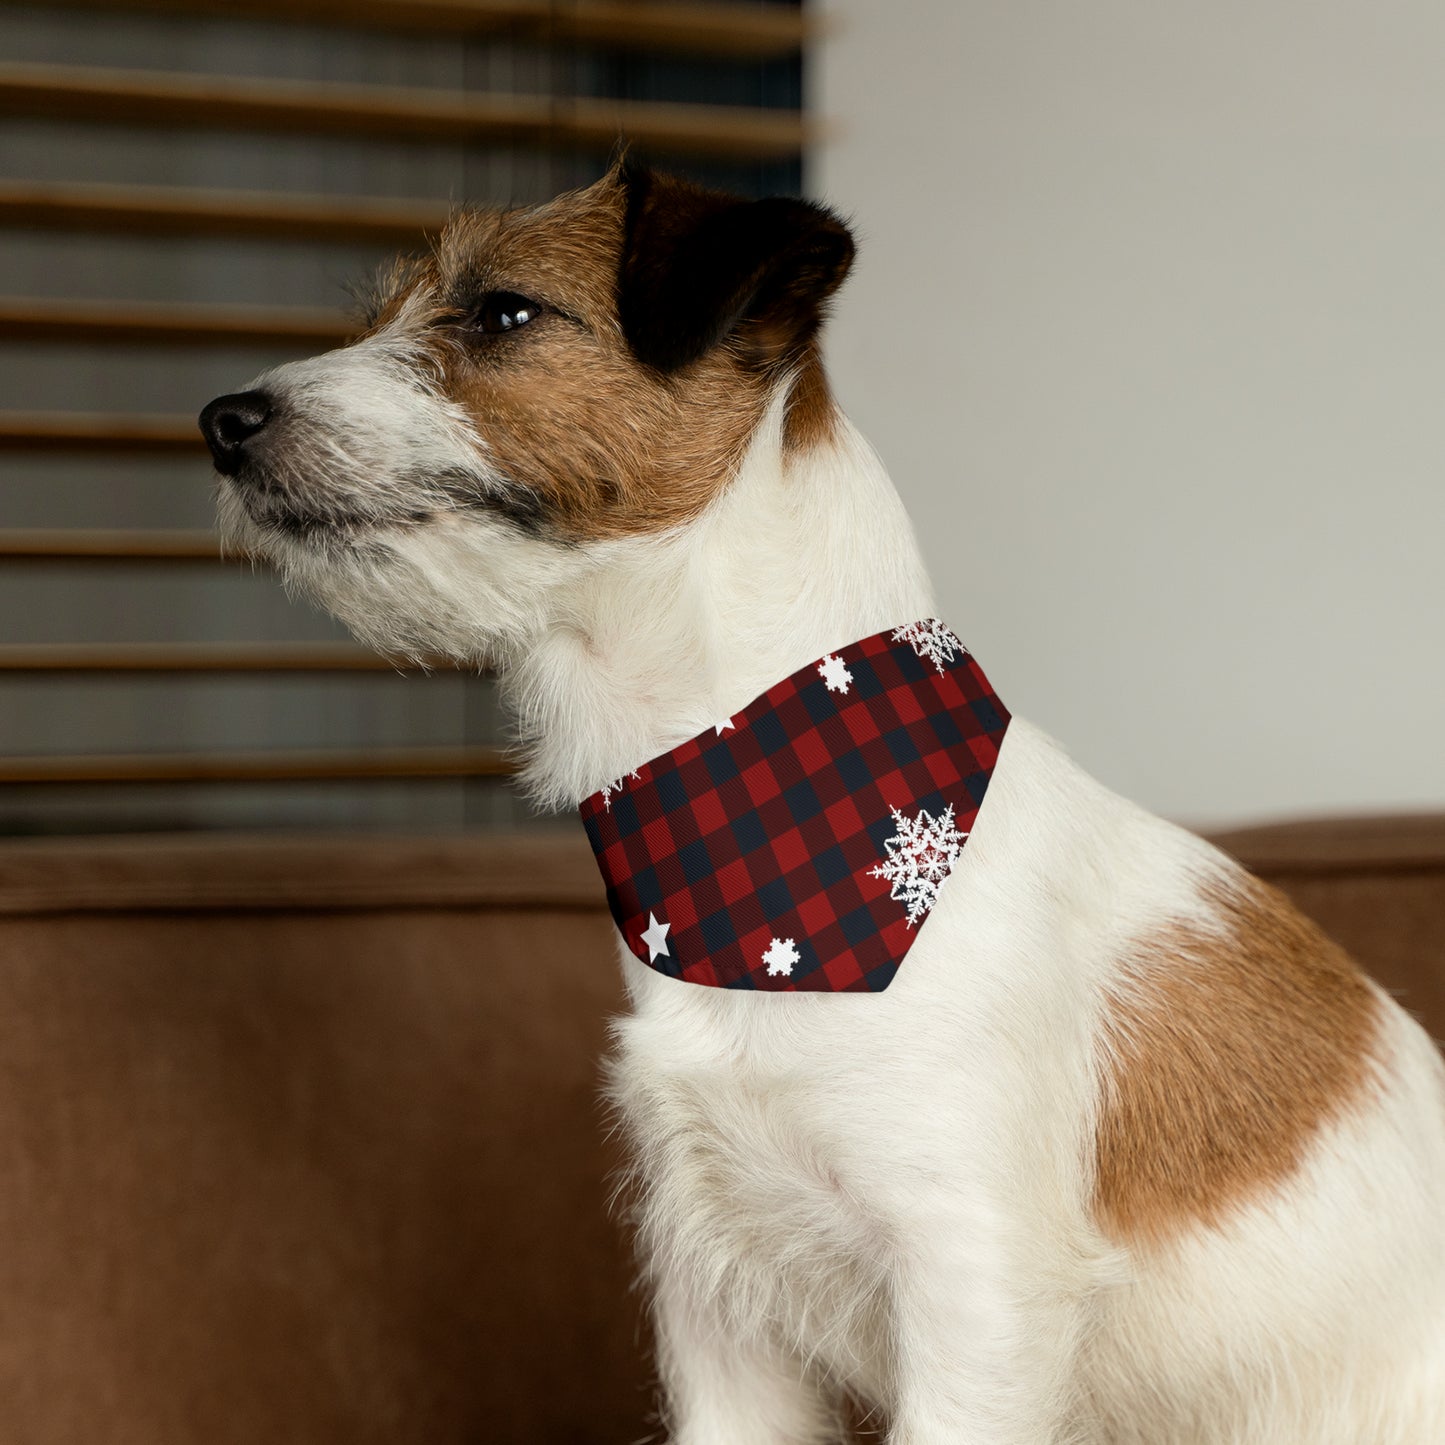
(699, 266)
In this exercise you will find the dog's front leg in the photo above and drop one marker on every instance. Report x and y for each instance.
(720, 1388)
(985, 1346)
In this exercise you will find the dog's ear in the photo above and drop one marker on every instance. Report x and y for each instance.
(699, 266)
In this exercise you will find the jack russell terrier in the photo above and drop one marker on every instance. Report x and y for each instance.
(1107, 1145)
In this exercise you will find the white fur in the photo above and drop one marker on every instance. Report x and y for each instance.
(890, 1194)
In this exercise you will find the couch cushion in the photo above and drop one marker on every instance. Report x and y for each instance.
(302, 1143)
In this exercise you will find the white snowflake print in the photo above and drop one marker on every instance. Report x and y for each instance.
(782, 954)
(931, 640)
(615, 787)
(834, 671)
(921, 854)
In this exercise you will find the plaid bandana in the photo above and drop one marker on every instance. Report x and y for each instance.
(800, 843)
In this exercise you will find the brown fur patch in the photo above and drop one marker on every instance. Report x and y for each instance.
(608, 446)
(1226, 1055)
(812, 413)
(604, 445)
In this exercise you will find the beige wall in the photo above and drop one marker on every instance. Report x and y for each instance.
(1149, 323)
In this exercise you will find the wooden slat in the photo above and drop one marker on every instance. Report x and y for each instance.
(75, 544)
(171, 323)
(744, 31)
(259, 767)
(177, 211)
(195, 657)
(550, 868)
(713, 29)
(79, 431)
(219, 102)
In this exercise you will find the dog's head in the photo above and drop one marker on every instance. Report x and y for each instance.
(546, 384)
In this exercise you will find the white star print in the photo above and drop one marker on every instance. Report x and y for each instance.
(727, 722)
(655, 936)
(834, 671)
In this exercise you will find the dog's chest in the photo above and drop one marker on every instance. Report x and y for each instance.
(747, 1180)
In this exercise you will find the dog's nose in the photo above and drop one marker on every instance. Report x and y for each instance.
(229, 422)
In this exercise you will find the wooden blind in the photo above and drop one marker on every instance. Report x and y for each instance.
(188, 182)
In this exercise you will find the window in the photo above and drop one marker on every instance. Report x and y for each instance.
(184, 196)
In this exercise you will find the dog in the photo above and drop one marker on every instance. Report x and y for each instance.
(1127, 1153)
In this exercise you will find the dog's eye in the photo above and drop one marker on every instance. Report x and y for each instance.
(504, 311)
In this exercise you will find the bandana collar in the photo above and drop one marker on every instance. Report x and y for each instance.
(800, 844)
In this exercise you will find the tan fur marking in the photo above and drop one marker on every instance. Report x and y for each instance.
(812, 413)
(607, 445)
(1227, 1052)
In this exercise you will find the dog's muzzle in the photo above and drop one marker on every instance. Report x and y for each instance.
(230, 422)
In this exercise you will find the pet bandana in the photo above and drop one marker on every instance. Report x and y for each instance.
(800, 843)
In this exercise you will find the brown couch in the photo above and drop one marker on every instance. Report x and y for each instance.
(301, 1140)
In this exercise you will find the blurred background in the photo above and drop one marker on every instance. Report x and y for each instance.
(1146, 322)
(187, 191)
(1149, 324)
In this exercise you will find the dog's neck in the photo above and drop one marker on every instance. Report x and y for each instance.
(669, 635)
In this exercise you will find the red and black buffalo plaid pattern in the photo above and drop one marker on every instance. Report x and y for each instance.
(754, 857)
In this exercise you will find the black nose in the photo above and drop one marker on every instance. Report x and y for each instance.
(229, 422)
